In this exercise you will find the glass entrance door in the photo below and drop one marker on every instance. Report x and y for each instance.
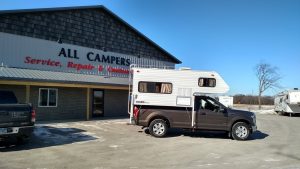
(98, 103)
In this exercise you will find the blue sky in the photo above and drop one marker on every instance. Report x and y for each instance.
(230, 36)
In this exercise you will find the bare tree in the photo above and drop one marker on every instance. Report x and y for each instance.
(267, 78)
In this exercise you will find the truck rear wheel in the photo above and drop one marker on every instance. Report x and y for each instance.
(158, 128)
(240, 131)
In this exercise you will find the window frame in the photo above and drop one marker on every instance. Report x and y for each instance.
(155, 82)
(215, 83)
(48, 96)
(215, 103)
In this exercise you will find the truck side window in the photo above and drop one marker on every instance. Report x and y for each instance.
(199, 103)
(209, 104)
(207, 82)
(155, 87)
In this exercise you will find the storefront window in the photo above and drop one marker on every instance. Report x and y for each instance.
(47, 97)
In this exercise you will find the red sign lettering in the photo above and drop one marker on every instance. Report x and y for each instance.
(79, 66)
(47, 62)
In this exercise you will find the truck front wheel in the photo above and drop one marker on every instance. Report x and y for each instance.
(240, 131)
(158, 128)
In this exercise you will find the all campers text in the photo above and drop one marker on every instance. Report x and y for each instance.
(91, 56)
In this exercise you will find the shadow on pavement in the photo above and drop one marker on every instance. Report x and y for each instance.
(46, 136)
(209, 134)
(258, 135)
(291, 115)
(203, 134)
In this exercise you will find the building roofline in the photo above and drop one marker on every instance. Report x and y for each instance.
(50, 9)
(177, 61)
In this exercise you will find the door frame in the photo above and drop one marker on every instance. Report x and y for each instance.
(206, 115)
(93, 99)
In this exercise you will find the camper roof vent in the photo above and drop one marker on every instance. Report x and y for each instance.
(185, 68)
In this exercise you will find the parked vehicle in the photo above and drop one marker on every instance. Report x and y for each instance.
(288, 102)
(16, 120)
(163, 99)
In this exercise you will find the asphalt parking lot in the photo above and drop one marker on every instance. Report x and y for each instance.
(105, 144)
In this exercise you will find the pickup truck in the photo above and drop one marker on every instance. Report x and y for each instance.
(16, 120)
(209, 115)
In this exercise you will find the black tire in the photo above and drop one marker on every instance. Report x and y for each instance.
(240, 131)
(147, 131)
(158, 128)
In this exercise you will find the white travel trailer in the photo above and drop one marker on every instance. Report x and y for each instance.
(170, 87)
(288, 101)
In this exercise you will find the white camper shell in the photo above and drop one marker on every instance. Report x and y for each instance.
(288, 101)
(170, 87)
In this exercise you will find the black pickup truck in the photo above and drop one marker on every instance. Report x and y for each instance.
(16, 120)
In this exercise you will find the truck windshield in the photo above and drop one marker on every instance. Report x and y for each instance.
(7, 97)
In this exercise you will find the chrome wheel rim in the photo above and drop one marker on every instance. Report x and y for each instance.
(158, 128)
(241, 131)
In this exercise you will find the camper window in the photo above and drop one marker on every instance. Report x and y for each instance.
(207, 82)
(155, 87)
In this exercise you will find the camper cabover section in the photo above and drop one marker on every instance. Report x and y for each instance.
(175, 88)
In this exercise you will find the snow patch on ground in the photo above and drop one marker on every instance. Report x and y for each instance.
(265, 109)
(54, 135)
(75, 132)
(114, 146)
(271, 160)
(92, 126)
